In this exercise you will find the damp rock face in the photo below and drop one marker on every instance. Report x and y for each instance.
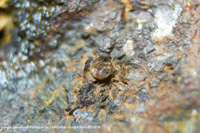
(109, 65)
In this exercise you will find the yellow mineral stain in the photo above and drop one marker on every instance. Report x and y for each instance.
(53, 96)
(128, 7)
(6, 24)
(2, 2)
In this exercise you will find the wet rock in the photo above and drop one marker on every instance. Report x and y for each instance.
(102, 115)
(104, 16)
(73, 110)
(143, 95)
(156, 49)
(70, 99)
(121, 87)
(77, 53)
(105, 44)
(165, 17)
(154, 83)
(83, 117)
(140, 108)
(87, 89)
(136, 76)
(61, 123)
(114, 106)
(117, 54)
(3, 79)
(156, 64)
(141, 16)
(148, 49)
(61, 78)
(128, 48)
(86, 100)
(103, 99)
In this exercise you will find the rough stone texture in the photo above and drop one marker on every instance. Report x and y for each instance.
(45, 80)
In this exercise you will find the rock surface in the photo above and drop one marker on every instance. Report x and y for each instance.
(46, 51)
